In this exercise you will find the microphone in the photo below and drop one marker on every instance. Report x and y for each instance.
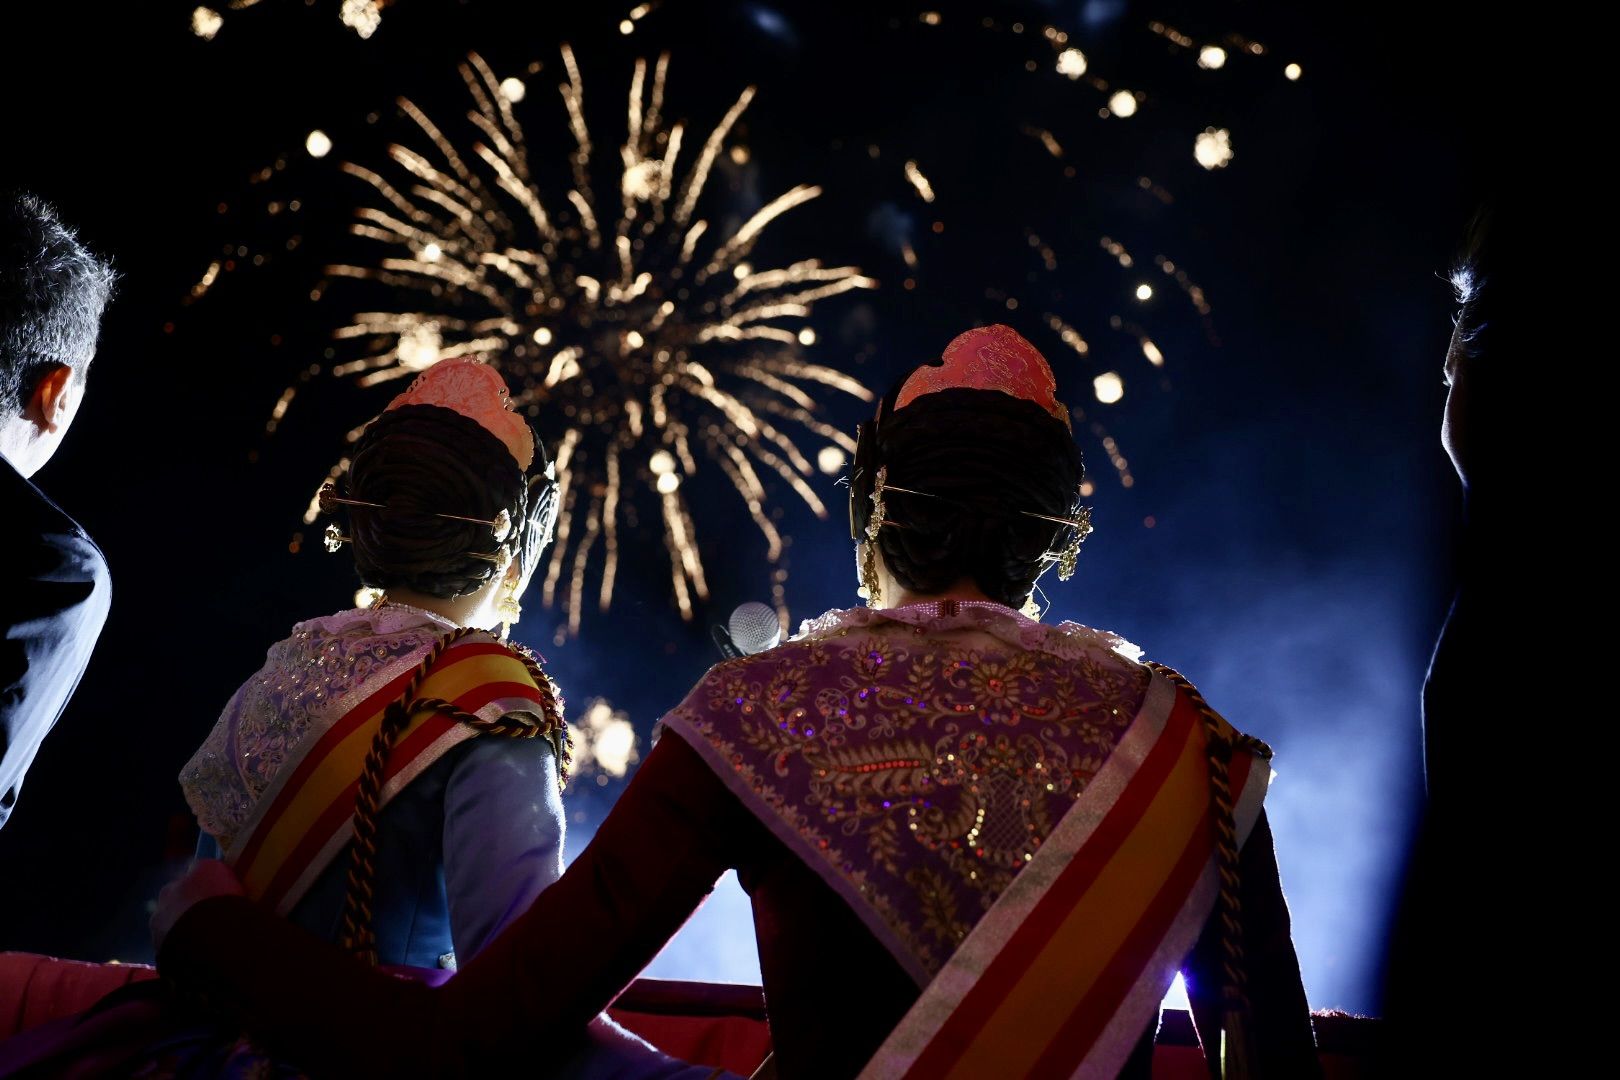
(752, 628)
(722, 641)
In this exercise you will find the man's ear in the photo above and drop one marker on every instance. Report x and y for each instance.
(52, 400)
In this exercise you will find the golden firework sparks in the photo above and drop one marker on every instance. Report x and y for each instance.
(919, 181)
(1194, 292)
(627, 25)
(648, 334)
(604, 742)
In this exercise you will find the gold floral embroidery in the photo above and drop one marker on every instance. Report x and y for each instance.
(938, 906)
(883, 843)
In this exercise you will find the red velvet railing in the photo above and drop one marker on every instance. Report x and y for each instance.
(717, 1024)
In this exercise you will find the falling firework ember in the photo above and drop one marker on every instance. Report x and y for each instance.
(638, 328)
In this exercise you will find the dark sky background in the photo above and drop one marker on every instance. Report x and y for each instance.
(1302, 512)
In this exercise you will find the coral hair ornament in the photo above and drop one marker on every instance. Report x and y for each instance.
(989, 358)
(476, 391)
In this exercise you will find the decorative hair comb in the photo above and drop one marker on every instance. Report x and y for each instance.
(500, 526)
(476, 391)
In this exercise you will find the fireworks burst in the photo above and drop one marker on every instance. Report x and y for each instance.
(642, 329)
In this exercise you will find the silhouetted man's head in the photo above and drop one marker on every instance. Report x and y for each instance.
(52, 294)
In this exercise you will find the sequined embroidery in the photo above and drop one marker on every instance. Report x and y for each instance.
(308, 677)
(921, 769)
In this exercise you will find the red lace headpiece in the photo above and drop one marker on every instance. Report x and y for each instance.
(989, 358)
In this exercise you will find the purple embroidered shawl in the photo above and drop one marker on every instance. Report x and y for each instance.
(916, 758)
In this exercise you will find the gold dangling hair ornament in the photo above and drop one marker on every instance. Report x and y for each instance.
(871, 590)
(508, 610)
(1070, 555)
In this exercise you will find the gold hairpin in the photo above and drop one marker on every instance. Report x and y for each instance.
(875, 523)
(334, 539)
(328, 500)
(1066, 559)
(1082, 523)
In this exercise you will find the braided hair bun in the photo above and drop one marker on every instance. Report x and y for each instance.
(419, 461)
(984, 456)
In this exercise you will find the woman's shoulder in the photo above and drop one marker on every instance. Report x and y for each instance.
(1012, 629)
(863, 651)
(529, 766)
(313, 673)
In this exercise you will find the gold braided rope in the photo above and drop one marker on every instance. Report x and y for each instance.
(1235, 1057)
(359, 936)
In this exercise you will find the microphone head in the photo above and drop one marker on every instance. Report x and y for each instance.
(754, 627)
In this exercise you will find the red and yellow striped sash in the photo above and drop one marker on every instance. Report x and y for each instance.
(1062, 975)
(306, 817)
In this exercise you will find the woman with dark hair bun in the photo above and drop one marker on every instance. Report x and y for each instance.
(976, 844)
(455, 808)
(987, 481)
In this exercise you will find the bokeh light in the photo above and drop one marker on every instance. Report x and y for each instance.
(361, 16)
(1213, 148)
(605, 742)
(205, 23)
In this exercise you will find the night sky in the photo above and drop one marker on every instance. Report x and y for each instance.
(1287, 538)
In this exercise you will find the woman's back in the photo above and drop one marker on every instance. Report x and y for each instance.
(877, 784)
(918, 758)
(464, 842)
